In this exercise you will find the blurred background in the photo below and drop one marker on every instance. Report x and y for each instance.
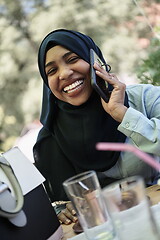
(127, 31)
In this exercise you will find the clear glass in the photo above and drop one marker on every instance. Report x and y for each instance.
(129, 209)
(85, 193)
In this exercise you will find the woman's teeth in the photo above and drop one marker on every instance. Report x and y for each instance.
(73, 86)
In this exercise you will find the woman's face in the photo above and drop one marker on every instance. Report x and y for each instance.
(68, 75)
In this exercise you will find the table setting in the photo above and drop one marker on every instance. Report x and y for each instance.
(122, 210)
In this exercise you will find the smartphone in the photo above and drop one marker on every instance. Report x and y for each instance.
(98, 83)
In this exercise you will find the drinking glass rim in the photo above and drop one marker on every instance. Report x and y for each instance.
(79, 177)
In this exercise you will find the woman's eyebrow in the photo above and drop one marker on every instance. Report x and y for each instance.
(64, 56)
(67, 54)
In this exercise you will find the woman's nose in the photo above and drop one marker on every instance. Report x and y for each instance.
(65, 73)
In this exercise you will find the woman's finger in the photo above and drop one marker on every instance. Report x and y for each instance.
(109, 77)
(69, 215)
(70, 207)
(63, 219)
(66, 217)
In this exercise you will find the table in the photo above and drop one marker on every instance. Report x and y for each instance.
(152, 192)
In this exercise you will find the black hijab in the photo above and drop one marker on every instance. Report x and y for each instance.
(76, 129)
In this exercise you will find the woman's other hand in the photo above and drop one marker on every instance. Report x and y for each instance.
(115, 107)
(68, 215)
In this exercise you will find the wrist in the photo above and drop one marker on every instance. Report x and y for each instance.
(118, 113)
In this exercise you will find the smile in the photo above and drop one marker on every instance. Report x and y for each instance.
(74, 86)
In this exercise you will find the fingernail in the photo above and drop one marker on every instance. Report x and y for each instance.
(97, 64)
(67, 221)
(75, 219)
(73, 212)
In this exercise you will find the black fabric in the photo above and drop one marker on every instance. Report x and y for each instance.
(42, 221)
(66, 144)
(56, 167)
(78, 129)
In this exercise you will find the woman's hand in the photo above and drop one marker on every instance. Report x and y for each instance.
(68, 215)
(115, 107)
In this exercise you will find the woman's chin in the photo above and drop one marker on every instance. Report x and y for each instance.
(79, 100)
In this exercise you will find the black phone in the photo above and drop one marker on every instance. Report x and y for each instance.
(98, 83)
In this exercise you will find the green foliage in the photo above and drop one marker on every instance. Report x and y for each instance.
(149, 69)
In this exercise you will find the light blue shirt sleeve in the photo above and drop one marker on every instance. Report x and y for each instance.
(141, 125)
(141, 122)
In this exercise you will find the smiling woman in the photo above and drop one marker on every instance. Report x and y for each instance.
(68, 75)
(75, 119)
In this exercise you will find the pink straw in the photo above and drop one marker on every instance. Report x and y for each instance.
(129, 148)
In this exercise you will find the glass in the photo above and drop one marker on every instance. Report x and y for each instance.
(85, 193)
(129, 209)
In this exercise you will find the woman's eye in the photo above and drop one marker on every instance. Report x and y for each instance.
(73, 59)
(51, 71)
